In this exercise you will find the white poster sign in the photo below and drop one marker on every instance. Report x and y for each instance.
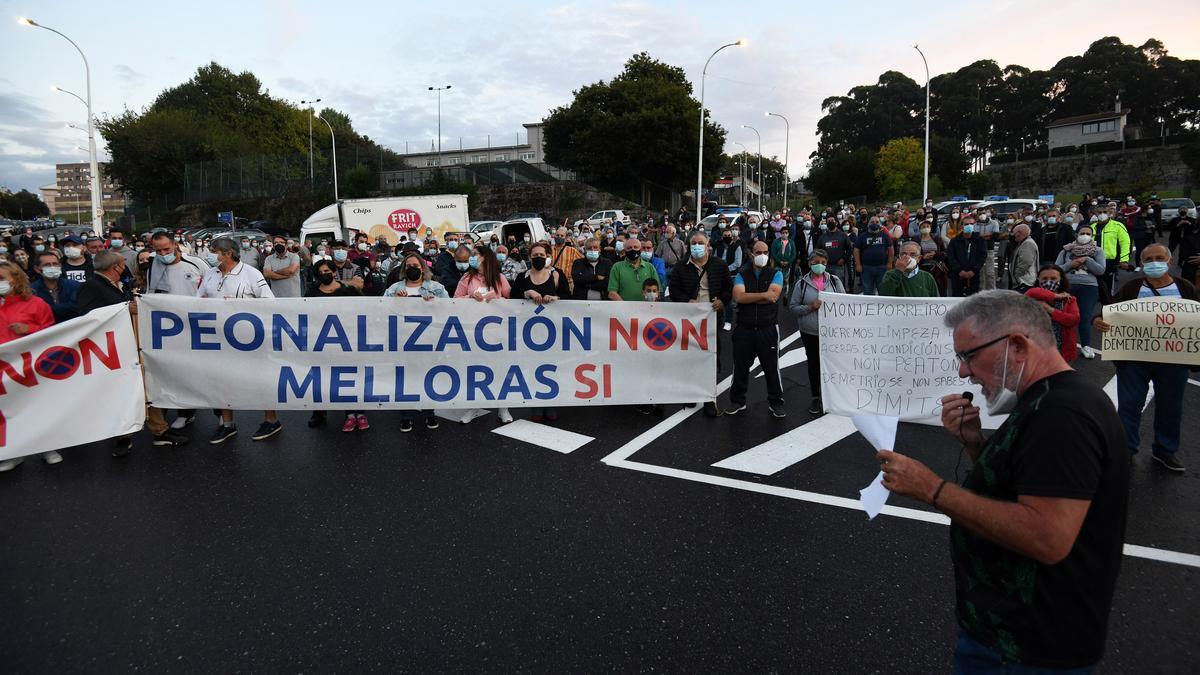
(371, 353)
(891, 357)
(72, 383)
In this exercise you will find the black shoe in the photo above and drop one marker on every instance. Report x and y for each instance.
(223, 433)
(815, 407)
(406, 426)
(122, 447)
(735, 408)
(317, 420)
(711, 409)
(169, 437)
(777, 410)
(267, 430)
(431, 422)
(1169, 462)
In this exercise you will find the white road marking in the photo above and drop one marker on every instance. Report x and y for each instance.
(551, 438)
(1163, 555)
(792, 358)
(1190, 381)
(1111, 389)
(795, 446)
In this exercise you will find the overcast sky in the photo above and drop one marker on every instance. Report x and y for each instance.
(511, 62)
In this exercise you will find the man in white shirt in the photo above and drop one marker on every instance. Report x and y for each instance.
(232, 279)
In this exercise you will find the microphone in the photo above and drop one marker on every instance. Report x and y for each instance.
(969, 396)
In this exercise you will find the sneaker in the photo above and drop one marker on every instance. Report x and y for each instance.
(505, 415)
(735, 408)
(169, 438)
(1169, 462)
(267, 430)
(778, 411)
(1087, 352)
(431, 422)
(815, 407)
(363, 424)
(222, 434)
(182, 422)
(350, 424)
(406, 426)
(317, 420)
(10, 464)
(727, 326)
(711, 409)
(122, 447)
(52, 457)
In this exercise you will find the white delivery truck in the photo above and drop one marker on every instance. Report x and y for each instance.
(388, 217)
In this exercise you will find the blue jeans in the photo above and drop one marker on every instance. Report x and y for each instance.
(871, 276)
(1133, 381)
(975, 658)
(1086, 297)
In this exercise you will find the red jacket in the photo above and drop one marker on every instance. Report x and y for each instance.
(1067, 319)
(32, 311)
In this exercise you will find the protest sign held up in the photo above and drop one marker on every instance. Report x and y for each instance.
(1161, 330)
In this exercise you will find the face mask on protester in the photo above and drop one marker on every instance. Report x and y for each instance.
(412, 273)
(212, 259)
(1155, 270)
(631, 255)
(846, 228)
(501, 257)
(279, 249)
(1049, 284)
(968, 229)
(52, 272)
(954, 215)
(619, 246)
(452, 244)
(925, 230)
(1084, 239)
(1006, 399)
(1074, 209)
(166, 258)
(39, 248)
(734, 232)
(1103, 217)
(912, 265)
(1052, 220)
(340, 254)
(473, 262)
(362, 246)
(650, 296)
(1029, 219)
(647, 255)
(760, 260)
(73, 252)
(538, 262)
(817, 268)
(116, 243)
(592, 256)
(325, 278)
(462, 266)
(5, 288)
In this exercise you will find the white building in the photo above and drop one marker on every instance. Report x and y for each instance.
(1087, 129)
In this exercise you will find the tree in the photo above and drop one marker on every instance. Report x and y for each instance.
(869, 116)
(641, 126)
(899, 168)
(844, 174)
(358, 182)
(23, 205)
(948, 162)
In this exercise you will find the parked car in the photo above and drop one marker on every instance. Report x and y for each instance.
(603, 218)
(1006, 207)
(519, 215)
(1171, 206)
(483, 228)
(518, 228)
(239, 235)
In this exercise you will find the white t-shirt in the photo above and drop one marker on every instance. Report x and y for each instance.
(242, 281)
(181, 278)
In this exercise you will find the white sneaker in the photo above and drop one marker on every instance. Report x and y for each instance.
(52, 457)
(10, 464)
(1087, 352)
(181, 422)
(505, 416)
(728, 326)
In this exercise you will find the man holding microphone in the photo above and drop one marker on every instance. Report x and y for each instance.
(1037, 528)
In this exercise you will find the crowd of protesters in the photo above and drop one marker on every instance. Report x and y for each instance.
(1065, 257)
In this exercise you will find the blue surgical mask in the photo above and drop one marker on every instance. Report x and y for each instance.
(473, 262)
(592, 256)
(462, 266)
(698, 250)
(210, 258)
(501, 257)
(452, 245)
(167, 258)
(647, 255)
(340, 254)
(817, 268)
(1155, 270)
(968, 229)
(620, 246)
(116, 243)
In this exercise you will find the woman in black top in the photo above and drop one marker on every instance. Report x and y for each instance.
(542, 284)
(326, 285)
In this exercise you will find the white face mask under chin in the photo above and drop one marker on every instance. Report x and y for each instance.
(1006, 399)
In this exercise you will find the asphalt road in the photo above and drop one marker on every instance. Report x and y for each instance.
(460, 549)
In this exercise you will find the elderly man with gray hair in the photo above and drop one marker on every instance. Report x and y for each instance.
(1037, 528)
(1023, 273)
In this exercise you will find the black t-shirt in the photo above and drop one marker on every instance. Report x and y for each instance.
(314, 291)
(81, 272)
(1063, 439)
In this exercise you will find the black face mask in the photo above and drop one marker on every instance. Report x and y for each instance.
(632, 255)
(279, 249)
(538, 263)
(144, 266)
(412, 273)
(325, 278)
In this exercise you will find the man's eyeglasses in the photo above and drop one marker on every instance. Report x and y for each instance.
(965, 357)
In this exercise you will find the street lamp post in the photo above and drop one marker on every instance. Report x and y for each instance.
(700, 159)
(760, 176)
(925, 185)
(310, 141)
(787, 134)
(439, 91)
(742, 176)
(97, 224)
(333, 139)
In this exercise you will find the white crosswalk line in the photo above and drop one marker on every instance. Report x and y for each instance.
(794, 357)
(551, 438)
(795, 446)
(1111, 389)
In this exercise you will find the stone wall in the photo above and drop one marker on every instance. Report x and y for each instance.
(553, 200)
(1115, 172)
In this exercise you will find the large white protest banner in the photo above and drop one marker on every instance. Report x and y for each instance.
(365, 353)
(75, 382)
(1162, 330)
(890, 356)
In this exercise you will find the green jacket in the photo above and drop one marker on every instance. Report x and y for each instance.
(1114, 238)
(897, 284)
(781, 256)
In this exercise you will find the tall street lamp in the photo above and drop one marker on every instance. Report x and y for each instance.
(97, 224)
(787, 134)
(439, 91)
(700, 159)
(925, 188)
(310, 142)
(333, 139)
(760, 176)
(742, 176)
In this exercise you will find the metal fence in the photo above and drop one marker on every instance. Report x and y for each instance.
(489, 173)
